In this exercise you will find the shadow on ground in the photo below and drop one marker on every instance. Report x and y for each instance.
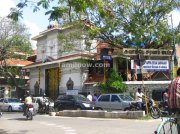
(19, 119)
(2, 131)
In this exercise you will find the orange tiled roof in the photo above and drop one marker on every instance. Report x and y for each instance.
(17, 62)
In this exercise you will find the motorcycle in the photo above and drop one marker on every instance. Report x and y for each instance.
(163, 108)
(29, 112)
(151, 107)
(46, 107)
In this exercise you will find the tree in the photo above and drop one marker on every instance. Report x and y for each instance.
(14, 43)
(121, 23)
(114, 83)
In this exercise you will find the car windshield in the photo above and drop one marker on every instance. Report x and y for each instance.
(126, 97)
(13, 101)
(80, 98)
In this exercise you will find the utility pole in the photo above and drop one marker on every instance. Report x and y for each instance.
(173, 64)
(141, 61)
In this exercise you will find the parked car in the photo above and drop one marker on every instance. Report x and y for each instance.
(73, 102)
(11, 104)
(113, 102)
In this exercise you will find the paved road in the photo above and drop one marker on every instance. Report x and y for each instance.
(15, 123)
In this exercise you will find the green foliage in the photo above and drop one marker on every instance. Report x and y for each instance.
(113, 84)
(14, 44)
(72, 40)
(146, 117)
(121, 23)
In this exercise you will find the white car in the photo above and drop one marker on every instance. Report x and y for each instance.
(11, 104)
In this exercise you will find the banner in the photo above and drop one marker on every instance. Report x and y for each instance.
(72, 92)
(152, 65)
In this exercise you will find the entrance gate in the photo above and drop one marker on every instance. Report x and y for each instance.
(52, 83)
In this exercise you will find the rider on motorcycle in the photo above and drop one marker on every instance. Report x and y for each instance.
(139, 98)
(28, 101)
(42, 104)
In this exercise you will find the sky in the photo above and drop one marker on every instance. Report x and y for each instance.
(37, 22)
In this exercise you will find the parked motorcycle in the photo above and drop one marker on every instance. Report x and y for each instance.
(163, 108)
(29, 112)
(46, 107)
(152, 109)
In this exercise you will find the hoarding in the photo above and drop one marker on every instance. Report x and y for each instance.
(152, 65)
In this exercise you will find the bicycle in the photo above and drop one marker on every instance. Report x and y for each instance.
(169, 125)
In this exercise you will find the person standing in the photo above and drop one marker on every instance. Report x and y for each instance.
(174, 93)
(89, 96)
(139, 96)
(95, 97)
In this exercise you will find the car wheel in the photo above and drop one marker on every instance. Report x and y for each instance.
(10, 109)
(56, 109)
(78, 108)
(51, 109)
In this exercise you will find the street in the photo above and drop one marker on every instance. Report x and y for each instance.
(15, 123)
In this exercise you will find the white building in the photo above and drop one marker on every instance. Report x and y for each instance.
(55, 64)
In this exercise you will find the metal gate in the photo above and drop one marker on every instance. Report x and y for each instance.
(52, 83)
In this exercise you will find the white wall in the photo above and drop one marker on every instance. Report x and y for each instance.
(52, 45)
(47, 46)
(34, 76)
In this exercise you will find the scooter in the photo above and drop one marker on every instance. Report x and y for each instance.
(29, 112)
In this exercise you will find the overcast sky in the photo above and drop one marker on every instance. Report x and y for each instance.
(37, 22)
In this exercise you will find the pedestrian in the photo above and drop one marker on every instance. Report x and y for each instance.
(174, 93)
(95, 97)
(139, 98)
(165, 95)
(89, 96)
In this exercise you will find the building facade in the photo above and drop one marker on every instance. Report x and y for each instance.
(58, 69)
(55, 64)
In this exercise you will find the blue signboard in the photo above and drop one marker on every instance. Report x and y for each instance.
(107, 57)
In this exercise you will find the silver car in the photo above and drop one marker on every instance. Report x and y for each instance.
(113, 102)
(10, 104)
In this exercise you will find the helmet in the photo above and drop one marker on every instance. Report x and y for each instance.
(27, 93)
(44, 95)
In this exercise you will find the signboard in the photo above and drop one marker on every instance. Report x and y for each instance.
(151, 65)
(72, 92)
(148, 52)
(107, 57)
